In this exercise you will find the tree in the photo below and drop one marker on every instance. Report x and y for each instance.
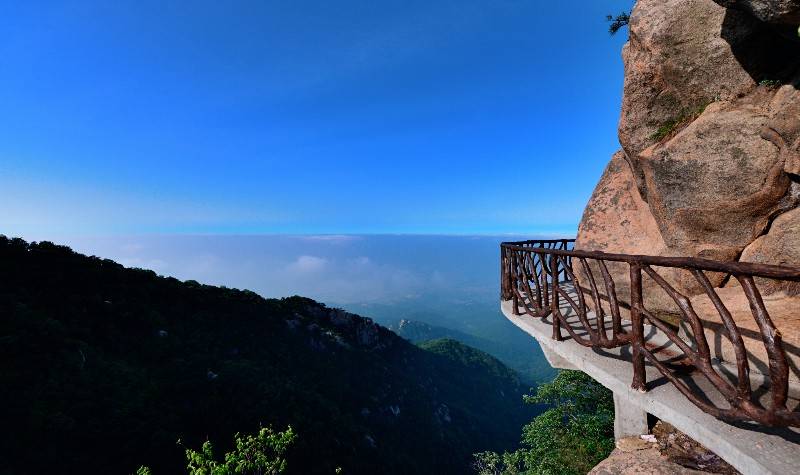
(571, 437)
(617, 22)
(260, 454)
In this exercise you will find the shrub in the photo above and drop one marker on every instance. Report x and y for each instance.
(671, 127)
(571, 437)
(260, 454)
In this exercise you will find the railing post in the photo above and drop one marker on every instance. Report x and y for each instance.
(513, 281)
(637, 330)
(503, 274)
(554, 311)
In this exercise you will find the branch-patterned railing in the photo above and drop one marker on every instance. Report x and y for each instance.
(540, 278)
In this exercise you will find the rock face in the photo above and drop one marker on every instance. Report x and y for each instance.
(710, 132)
(673, 452)
(676, 61)
(781, 245)
(689, 180)
(772, 11)
(617, 219)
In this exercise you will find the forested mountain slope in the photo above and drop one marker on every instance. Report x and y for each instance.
(104, 368)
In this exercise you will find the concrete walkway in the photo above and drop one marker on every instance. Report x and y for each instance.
(750, 449)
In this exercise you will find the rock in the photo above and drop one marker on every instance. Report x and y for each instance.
(781, 246)
(675, 62)
(782, 309)
(710, 131)
(783, 128)
(632, 444)
(666, 451)
(647, 461)
(679, 448)
(771, 11)
(689, 179)
(617, 220)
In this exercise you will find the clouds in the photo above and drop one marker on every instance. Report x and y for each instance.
(330, 268)
(347, 279)
(306, 264)
(331, 238)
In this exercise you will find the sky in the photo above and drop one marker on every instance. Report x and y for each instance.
(304, 117)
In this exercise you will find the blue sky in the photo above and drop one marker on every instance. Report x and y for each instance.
(304, 116)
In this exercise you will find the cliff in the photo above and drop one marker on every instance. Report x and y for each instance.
(710, 130)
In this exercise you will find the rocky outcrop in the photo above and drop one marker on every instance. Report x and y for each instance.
(689, 182)
(710, 135)
(636, 462)
(677, 61)
(667, 451)
(617, 220)
(771, 11)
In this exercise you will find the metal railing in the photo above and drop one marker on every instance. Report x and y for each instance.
(540, 277)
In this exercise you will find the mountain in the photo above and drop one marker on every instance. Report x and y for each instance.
(104, 368)
(418, 332)
(519, 355)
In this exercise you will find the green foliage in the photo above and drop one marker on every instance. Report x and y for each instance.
(260, 454)
(144, 471)
(617, 22)
(672, 126)
(469, 357)
(769, 83)
(571, 437)
(106, 367)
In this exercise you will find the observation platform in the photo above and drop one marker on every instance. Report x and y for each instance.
(744, 410)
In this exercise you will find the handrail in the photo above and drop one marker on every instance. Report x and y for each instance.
(537, 274)
(769, 271)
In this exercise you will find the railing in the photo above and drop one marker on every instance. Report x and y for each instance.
(580, 290)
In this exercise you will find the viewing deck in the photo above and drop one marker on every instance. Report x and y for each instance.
(690, 341)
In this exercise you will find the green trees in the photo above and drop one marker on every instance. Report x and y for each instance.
(571, 437)
(260, 454)
(106, 367)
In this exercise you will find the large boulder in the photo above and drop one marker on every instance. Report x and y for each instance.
(714, 186)
(676, 62)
